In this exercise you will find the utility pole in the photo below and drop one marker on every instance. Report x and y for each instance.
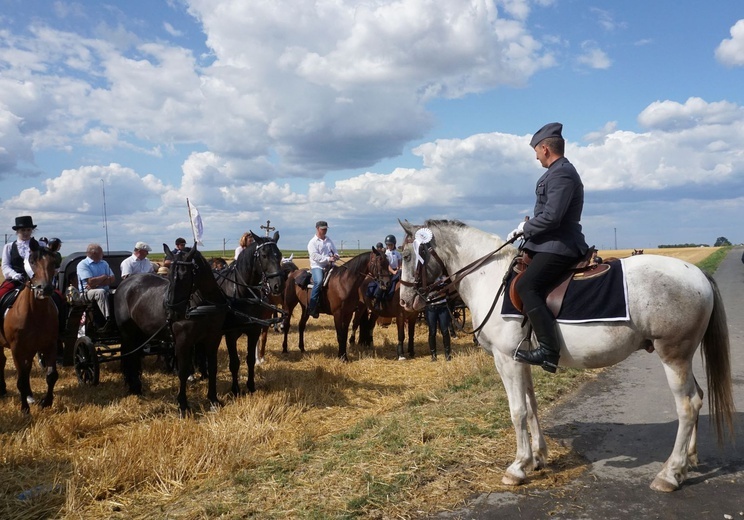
(615, 239)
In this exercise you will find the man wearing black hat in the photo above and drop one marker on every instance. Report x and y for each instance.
(322, 253)
(553, 238)
(16, 253)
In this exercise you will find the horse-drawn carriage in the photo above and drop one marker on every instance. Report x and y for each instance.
(85, 344)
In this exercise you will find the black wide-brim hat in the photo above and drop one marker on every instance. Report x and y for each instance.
(23, 222)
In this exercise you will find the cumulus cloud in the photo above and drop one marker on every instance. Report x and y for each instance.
(730, 51)
(593, 57)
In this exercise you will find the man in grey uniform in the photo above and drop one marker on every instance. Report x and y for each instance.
(553, 238)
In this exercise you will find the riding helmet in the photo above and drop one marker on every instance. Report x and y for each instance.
(390, 239)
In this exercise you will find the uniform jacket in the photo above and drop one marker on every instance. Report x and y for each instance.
(555, 227)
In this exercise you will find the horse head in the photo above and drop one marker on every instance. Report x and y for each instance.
(267, 263)
(418, 272)
(181, 279)
(379, 268)
(42, 264)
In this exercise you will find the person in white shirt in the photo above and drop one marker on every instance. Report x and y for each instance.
(138, 262)
(322, 253)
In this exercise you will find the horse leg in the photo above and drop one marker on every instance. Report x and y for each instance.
(3, 387)
(185, 365)
(51, 375)
(211, 354)
(301, 329)
(261, 352)
(342, 331)
(401, 336)
(687, 397)
(518, 384)
(286, 324)
(692, 454)
(539, 447)
(231, 340)
(130, 368)
(23, 383)
(411, 332)
(250, 360)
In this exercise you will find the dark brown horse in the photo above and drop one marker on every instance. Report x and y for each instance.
(31, 326)
(255, 274)
(187, 309)
(388, 308)
(340, 297)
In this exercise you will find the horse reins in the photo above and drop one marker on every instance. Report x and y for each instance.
(443, 285)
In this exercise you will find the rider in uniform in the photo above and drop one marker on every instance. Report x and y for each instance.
(554, 240)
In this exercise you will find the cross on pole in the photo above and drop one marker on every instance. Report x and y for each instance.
(268, 227)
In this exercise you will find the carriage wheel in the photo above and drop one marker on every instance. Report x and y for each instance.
(86, 362)
(458, 317)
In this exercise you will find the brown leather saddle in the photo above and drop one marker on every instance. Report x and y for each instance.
(584, 269)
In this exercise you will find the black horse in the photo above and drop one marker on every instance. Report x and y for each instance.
(187, 309)
(247, 284)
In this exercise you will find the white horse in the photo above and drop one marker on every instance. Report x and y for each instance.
(673, 307)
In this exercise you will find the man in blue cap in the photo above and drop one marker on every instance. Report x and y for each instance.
(554, 240)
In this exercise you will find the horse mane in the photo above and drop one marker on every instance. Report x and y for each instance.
(359, 263)
(435, 222)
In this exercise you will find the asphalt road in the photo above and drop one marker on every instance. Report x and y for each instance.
(624, 424)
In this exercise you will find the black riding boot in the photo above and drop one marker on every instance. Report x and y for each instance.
(447, 348)
(433, 349)
(548, 350)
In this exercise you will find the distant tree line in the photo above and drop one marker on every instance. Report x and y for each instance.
(720, 242)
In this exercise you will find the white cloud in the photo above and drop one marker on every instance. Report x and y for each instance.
(730, 52)
(593, 57)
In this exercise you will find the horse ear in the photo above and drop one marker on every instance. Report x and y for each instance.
(33, 245)
(276, 237)
(375, 251)
(407, 227)
(255, 236)
(168, 252)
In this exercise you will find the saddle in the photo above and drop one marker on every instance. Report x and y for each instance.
(583, 269)
(305, 279)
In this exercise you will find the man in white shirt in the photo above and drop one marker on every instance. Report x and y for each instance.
(322, 253)
(138, 262)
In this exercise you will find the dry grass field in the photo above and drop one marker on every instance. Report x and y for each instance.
(373, 438)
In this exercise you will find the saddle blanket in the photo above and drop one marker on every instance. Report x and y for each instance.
(601, 298)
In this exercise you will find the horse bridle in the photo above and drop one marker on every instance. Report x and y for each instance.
(179, 308)
(38, 289)
(240, 280)
(439, 287)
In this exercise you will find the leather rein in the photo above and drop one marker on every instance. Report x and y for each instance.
(443, 285)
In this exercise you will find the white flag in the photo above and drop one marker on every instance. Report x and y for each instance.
(196, 224)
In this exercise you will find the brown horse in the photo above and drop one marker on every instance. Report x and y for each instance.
(389, 308)
(340, 296)
(31, 327)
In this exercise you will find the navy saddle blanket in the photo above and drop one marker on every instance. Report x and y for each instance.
(601, 298)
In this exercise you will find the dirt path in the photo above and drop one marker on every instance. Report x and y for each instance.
(624, 423)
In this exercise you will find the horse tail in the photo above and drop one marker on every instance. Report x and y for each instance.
(715, 348)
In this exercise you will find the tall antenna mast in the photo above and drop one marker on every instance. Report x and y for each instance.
(105, 222)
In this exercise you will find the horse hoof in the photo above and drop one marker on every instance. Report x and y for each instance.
(30, 399)
(184, 413)
(46, 403)
(663, 486)
(510, 480)
(260, 361)
(214, 406)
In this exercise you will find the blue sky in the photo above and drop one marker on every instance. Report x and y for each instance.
(363, 113)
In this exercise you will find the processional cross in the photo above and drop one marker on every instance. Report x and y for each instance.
(268, 227)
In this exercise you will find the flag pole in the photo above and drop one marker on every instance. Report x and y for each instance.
(191, 221)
